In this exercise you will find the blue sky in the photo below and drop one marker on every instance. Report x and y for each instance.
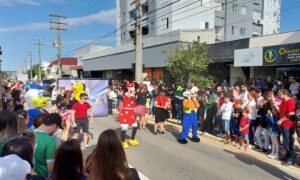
(23, 20)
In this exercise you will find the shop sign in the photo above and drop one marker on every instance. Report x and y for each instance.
(248, 57)
(288, 54)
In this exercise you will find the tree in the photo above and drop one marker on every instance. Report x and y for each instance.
(36, 71)
(190, 63)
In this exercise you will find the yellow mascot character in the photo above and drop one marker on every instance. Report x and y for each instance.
(78, 89)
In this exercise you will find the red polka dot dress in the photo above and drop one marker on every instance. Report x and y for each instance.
(127, 116)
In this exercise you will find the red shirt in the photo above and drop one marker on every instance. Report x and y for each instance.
(161, 100)
(285, 108)
(81, 110)
(244, 122)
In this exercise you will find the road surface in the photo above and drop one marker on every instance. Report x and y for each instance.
(161, 157)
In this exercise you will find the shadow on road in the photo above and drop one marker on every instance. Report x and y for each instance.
(250, 160)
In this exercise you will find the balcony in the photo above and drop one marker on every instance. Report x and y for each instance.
(219, 18)
(257, 21)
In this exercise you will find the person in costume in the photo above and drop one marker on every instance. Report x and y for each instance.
(178, 98)
(127, 118)
(78, 89)
(190, 106)
(35, 104)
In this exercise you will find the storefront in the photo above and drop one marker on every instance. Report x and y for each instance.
(270, 62)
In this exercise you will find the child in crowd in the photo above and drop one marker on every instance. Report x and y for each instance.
(272, 118)
(237, 114)
(244, 129)
(10, 105)
(226, 110)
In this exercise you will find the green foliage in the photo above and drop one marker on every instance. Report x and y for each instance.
(190, 63)
(36, 71)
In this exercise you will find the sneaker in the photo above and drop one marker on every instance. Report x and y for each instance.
(125, 145)
(133, 142)
(155, 133)
(87, 146)
(288, 163)
(264, 150)
(163, 132)
(270, 155)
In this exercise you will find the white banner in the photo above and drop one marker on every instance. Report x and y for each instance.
(248, 57)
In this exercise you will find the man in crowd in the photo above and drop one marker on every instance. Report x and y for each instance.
(46, 144)
(287, 113)
(80, 116)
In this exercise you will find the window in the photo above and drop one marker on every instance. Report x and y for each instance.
(243, 31)
(206, 25)
(132, 13)
(145, 30)
(235, 8)
(165, 24)
(234, 30)
(243, 10)
(145, 8)
(223, 6)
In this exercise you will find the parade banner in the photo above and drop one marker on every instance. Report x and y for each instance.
(288, 54)
(97, 90)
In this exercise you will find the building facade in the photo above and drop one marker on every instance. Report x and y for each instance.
(230, 19)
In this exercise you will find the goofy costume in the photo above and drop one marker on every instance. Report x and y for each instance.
(190, 106)
(127, 117)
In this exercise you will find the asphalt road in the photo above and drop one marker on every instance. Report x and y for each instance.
(161, 157)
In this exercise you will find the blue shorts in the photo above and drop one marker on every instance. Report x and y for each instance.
(245, 137)
(226, 125)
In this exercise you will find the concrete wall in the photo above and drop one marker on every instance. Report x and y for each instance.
(271, 16)
(275, 39)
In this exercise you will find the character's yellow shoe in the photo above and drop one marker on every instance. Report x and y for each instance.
(125, 145)
(133, 142)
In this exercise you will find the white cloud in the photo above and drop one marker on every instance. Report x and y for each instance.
(107, 17)
(13, 2)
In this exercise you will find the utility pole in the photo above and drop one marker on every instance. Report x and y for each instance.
(1, 85)
(30, 55)
(39, 44)
(58, 26)
(138, 46)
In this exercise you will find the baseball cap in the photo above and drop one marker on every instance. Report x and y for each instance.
(13, 167)
(53, 118)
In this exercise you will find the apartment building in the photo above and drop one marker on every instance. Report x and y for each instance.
(231, 19)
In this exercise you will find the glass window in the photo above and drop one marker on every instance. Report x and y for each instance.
(235, 8)
(165, 24)
(234, 31)
(132, 13)
(206, 25)
(244, 10)
(243, 31)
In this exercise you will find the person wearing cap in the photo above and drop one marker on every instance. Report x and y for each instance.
(46, 144)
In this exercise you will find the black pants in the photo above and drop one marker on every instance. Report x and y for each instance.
(210, 115)
(110, 103)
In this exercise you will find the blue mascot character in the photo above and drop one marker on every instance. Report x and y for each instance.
(190, 106)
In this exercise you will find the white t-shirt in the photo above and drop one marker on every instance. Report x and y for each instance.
(294, 88)
(252, 109)
(226, 110)
(258, 102)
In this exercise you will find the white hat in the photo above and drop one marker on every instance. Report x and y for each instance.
(186, 93)
(12, 167)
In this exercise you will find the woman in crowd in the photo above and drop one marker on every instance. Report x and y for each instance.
(8, 127)
(140, 108)
(161, 113)
(108, 160)
(68, 163)
(23, 119)
(65, 110)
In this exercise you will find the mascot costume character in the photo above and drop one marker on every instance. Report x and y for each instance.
(127, 117)
(178, 96)
(35, 104)
(190, 106)
(78, 89)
